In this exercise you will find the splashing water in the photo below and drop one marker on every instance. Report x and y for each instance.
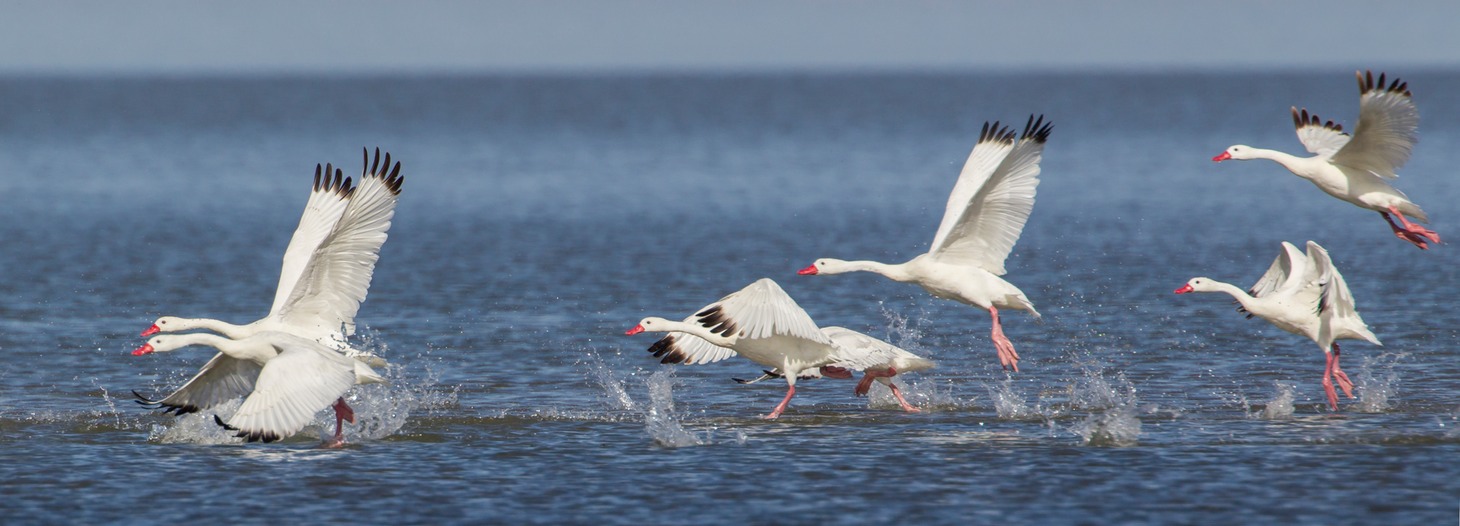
(1280, 407)
(1011, 405)
(1116, 423)
(660, 420)
(1377, 383)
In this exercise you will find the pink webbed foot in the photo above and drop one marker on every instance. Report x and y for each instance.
(865, 385)
(343, 413)
(905, 406)
(1008, 359)
(1328, 383)
(1343, 382)
(790, 392)
(1409, 231)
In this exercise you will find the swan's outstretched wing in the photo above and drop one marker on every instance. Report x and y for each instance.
(688, 349)
(988, 222)
(1319, 137)
(1338, 318)
(994, 143)
(305, 378)
(760, 310)
(1387, 130)
(321, 213)
(860, 352)
(338, 275)
(1284, 273)
(222, 379)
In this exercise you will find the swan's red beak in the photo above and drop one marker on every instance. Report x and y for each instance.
(1224, 156)
(1184, 289)
(637, 329)
(144, 349)
(153, 330)
(808, 271)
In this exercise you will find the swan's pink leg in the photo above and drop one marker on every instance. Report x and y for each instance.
(790, 392)
(832, 371)
(905, 406)
(1328, 383)
(343, 412)
(1338, 374)
(866, 384)
(1410, 232)
(1007, 357)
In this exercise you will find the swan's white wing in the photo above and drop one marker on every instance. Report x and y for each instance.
(1286, 271)
(760, 310)
(323, 210)
(305, 378)
(338, 275)
(859, 352)
(1387, 130)
(994, 217)
(688, 349)
(1319, 137)
(222, 379)
(1338, 318)
(994, 143)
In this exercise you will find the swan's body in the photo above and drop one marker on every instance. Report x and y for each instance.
(1305, 295)
(1355, 168)
(326, 274)
(877, 359)
(286, 378)
(985, 215)
(760, 322)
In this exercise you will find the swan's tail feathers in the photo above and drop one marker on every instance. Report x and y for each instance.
(914, 364)
(365, 375)
(369, 359)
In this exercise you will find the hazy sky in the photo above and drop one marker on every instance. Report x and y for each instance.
(152, 36)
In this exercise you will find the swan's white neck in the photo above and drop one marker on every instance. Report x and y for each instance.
(697, 330)
(219, 326)
(894, 272)
(239, 349)
(1253, 305)
(1295, 164)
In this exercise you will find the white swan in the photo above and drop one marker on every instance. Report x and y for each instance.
(760, 322)
(295, 378)
(879, 360)
(1354, 168)
(986, 213)
(326, 274)
(1307, 296)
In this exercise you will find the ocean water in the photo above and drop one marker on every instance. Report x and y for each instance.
(542, 216)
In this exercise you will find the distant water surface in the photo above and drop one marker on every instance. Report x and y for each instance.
(542, 216)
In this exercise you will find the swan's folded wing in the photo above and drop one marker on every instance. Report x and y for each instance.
(326, 204)
(1321, 138)
(291, 388)
(760, 310)
(859, 352)
(1335, 301)
(688, 349)
(1387, 130)
(337, 278)
(222, 379)
(993, 218)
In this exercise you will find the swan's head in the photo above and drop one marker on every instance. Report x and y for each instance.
(166, 324)
(650, 324)
(1240, 152)
(825, 266)
(160, 344)
(1196, 285)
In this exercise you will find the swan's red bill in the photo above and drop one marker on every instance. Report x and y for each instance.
(1184, 289)
(144, 349)
(153, 330)
(637, 329)
(1224, 156)
(808, 271)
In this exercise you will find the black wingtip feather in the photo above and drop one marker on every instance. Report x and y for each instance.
(222, 424)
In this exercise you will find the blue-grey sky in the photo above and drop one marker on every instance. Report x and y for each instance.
(153, 36)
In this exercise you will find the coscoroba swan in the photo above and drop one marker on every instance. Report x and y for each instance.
(879, 361)
(296, 378)
(1355, 169)
(760, 322)
(985, 215)
(1307, 296)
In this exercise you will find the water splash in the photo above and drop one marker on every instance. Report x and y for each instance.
(923, 393)
(1377, 383)
(660, 420)
(1116, 421)
(1011, 405)
(1280, 407)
